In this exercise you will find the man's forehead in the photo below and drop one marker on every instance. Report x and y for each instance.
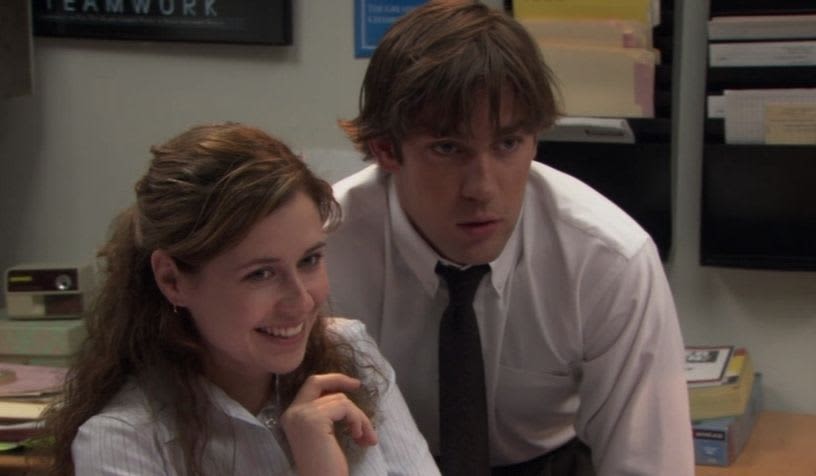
(465, 129)
(504, 116)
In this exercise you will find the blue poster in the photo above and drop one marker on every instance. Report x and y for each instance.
(372, 18)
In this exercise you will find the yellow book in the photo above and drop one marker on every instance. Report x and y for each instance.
(639, 10)
(731, 397)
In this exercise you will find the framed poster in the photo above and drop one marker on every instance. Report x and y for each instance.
(371, 20)
(15, 48)
(215, 21)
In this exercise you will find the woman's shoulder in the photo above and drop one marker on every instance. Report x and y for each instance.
(130, 409)
(346, 328)
(352, 332)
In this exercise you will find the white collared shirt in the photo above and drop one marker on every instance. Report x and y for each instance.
(578, 327)
(127, 438)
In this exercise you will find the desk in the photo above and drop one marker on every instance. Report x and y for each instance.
(19, 465)
(781, 444)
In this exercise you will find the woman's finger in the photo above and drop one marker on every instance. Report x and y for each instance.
(318, 385)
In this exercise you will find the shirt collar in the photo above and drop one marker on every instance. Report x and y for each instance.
(230, 407)
(421, 259)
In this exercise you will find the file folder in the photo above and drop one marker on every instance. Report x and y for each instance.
(591, 32)
(602, 82)
(639, 10)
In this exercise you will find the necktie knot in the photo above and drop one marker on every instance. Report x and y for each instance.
(462, 283)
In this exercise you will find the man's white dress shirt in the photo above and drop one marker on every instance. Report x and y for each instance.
(578, 326)
(127, 438)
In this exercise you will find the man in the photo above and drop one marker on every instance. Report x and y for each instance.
(580, 345)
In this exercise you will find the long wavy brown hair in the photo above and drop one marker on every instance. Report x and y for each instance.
(201, 195)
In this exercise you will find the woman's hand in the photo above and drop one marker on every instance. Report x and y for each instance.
(309, 424)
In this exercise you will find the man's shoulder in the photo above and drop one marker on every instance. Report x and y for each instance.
(370, 180)
(578, 212)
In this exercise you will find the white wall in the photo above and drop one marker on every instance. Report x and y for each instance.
(772, 313)
(70, 154)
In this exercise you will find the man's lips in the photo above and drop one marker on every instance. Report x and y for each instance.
(478, 221)
(479, 227)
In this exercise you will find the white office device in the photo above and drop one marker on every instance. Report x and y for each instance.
(44, 291)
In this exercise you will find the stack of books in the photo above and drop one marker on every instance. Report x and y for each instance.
(25, 391)
(725, 395)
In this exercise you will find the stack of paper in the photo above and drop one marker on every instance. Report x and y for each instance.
(762, 27)
(25, 391)
(770, 116)
(762, 40)
(599, 51)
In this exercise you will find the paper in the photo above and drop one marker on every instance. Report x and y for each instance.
(769, 53)
(745, 111)
(762, 27)
(706, 364)
(31, 380)
(590, 129)
(591, 32)
(790, 123)
(604, 82)
(19, 411)
(715, 105)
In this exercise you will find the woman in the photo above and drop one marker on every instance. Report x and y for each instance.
(208, 352)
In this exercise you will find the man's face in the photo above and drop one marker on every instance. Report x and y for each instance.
(463, 192)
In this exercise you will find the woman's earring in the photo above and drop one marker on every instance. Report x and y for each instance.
(175, 309)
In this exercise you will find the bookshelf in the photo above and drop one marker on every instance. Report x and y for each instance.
(636, 177)
(758, 207)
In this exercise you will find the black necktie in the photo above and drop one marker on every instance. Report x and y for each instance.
(462, 400)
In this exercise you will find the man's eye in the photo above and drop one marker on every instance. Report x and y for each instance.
(445, 148)
(509, 144)
(261, 274)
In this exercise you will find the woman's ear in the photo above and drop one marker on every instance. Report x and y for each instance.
(167, 276)
(385, 152)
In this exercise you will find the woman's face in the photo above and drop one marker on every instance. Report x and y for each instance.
(255, 304)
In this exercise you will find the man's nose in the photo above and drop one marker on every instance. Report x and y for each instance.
(479, 180)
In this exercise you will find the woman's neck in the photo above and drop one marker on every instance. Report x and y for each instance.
(251, 392)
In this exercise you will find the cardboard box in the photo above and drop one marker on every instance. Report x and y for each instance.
(40, 342)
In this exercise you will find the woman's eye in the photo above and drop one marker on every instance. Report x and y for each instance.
(261, 274)
(312, 260)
